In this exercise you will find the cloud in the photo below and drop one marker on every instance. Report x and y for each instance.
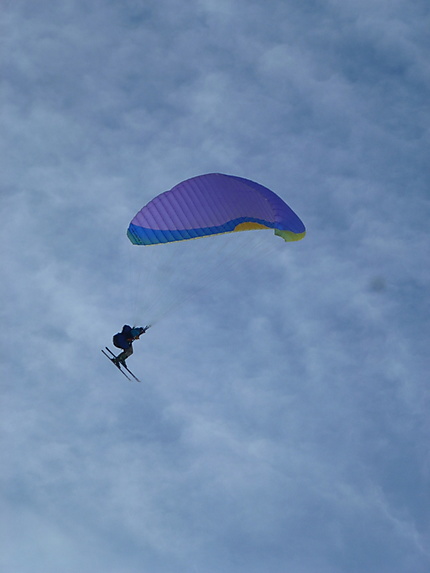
(282, 418)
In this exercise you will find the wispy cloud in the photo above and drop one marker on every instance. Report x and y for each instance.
(282, 419)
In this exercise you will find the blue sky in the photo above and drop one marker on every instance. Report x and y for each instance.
(282, 422)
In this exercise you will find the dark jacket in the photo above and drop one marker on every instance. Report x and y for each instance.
(123, 339)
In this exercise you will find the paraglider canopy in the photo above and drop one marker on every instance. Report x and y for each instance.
(212, 204)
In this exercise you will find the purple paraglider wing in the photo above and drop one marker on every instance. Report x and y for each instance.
(212, 204)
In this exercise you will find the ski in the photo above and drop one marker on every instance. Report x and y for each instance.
(122, 366)
(119, 367)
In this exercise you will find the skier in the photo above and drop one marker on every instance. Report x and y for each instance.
(124, 340)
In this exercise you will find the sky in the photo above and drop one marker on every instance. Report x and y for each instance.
(282, 423)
